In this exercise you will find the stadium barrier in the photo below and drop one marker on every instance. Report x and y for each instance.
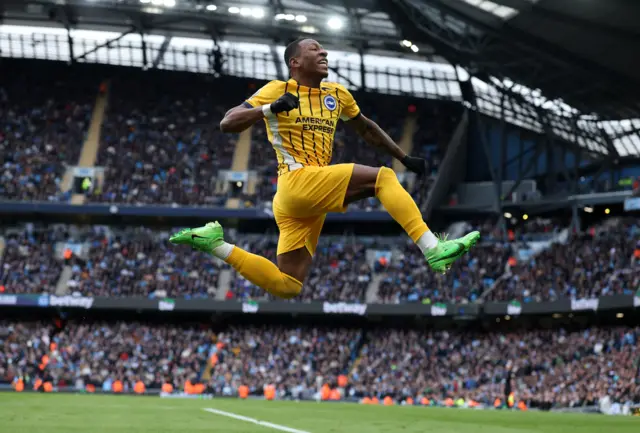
(514, 308)
(618, 409)
(33, 210)
(565, 305)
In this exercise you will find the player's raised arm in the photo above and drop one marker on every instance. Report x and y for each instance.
(243, 116)
(269, 100)
(373, 135)
(371, 132)
(240, 118)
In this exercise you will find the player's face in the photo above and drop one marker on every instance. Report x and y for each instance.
(313, 58)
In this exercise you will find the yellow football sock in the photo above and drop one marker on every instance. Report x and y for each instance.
(399, 203)
(264, 274)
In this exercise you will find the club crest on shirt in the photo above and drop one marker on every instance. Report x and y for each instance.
(330, 102)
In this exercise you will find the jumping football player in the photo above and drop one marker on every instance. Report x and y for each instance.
(301, 117)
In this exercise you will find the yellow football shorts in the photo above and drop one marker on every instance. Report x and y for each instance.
(303, 199)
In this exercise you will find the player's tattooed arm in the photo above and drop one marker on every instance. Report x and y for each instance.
(371, 133)
(240, 118)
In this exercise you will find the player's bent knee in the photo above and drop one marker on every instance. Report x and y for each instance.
(288, 288)
(386, 172)
(385, 176)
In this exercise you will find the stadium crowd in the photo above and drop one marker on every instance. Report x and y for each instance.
(29, 263)
(164, 147)
(140, 262)
(290, 359)
(43, 121)
(603, 261)
(101, 354)
(561, 368)
(557, 368)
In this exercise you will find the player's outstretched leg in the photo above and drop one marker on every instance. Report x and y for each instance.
(383, 183)
(440, 253)
(257, 269)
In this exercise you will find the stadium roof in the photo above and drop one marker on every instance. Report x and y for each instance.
(580, 52)
(572, 57)
(280, 20)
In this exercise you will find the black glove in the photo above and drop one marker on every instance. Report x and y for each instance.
(417, 165)
(286, 102)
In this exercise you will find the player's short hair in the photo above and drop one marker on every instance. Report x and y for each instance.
(292, 50)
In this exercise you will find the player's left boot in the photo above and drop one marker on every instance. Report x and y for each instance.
(204, 238)
(446, 252)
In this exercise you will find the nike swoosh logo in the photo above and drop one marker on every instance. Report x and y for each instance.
(457, 252)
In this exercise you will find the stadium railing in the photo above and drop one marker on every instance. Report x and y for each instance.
(111, 210)
(169, 211)
(605, 303)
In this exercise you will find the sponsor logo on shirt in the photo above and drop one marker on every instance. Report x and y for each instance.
(316, 124)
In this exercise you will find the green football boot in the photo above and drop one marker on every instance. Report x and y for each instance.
(446, 252)
(204, 238)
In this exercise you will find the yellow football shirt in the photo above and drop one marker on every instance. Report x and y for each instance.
(304, 136)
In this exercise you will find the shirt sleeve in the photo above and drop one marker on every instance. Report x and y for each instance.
(350, 109)
(266, 94)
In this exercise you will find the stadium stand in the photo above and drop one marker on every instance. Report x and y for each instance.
(43, 120)
(165, 147)
(602, 262)
(435, 124)
(560, 368)
(289, 358)
(29, 263)
(141, 262)
(120, 262)
(101, 353)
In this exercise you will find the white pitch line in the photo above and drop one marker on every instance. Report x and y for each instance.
(254, 421)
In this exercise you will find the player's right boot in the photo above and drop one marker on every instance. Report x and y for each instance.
(204, 238)
(446, 252)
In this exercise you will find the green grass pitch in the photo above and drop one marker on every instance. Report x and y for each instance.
(64, 413)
